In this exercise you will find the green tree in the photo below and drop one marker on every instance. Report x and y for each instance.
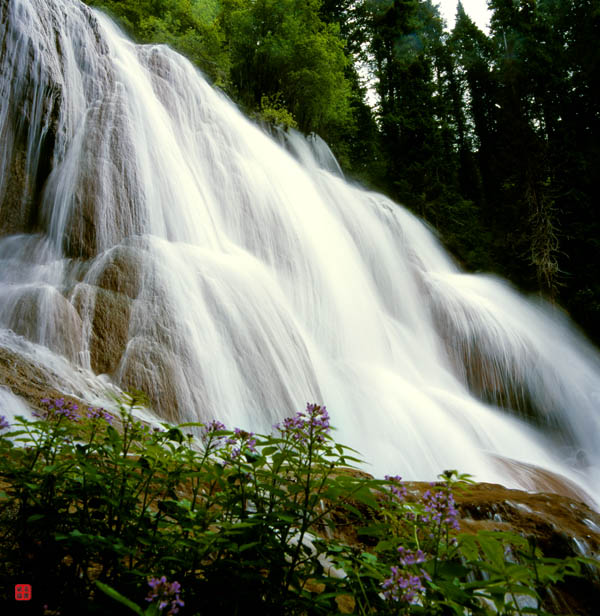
(403, 33)
(189, 26)
(282, 50)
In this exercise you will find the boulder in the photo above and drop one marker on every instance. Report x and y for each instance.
(44, 316)
(16, 199)
(26, 379)
(151, 368)
(121, 270)
(108, 314)
(559, 525)
(558, 522)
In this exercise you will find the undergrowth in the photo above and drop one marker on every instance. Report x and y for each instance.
(103, 514)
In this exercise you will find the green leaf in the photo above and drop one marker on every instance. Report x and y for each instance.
(468, 547)
(113, 435)
(453, 592)
(175, 434)
(35, 517)
(366, 497)
(451, 570)
(372, 530)
(493, 549)
(369, 558)
(111, 592)
(286, 517)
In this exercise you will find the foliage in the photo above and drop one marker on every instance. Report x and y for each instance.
(274, 113)
(189, 26)
(104, 513)
(281, 48)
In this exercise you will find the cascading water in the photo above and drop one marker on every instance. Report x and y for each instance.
(153, 236)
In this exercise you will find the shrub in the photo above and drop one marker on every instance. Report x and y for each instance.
(101, 512)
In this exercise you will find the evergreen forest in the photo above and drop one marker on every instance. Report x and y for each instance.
(492, 138)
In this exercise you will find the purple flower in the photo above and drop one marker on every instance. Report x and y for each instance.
(408, 558)
(240, 442)
(440, 508)
(314, 422)
(213, 426)
(4, 425)
(402, 586)
(396, 487)
(209, 437)
(99, 413)
(58, 408)
(165, 594)
(246, 439)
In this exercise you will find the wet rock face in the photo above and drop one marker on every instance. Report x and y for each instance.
(15, 198)
(31, 98)
(153, 369)
(25, 379)
(110, 326)
(107, 200)
(475, 361)
(121, 271)
(559, 525)
(44, 316)
(45, 165)
(108, 315)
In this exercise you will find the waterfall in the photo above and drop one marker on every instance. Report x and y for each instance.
(151, 237)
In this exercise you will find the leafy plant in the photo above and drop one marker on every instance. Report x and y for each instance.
(99, 510)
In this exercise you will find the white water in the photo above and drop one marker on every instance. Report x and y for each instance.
(255, 283)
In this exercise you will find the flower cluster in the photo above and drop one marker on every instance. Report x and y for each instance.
(245, 441)
(397, 490)
(314, 422)
(99, 413)
(209, 437)
(402, 587)
(165, 594)
(4, 425)
(408, 558)
(58, 408)
(213, 426)
(440, 508)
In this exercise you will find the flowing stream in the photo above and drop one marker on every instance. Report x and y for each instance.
(151, 237)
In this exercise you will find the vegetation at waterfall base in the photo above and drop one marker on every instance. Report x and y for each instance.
(102, 513)
(489, 136)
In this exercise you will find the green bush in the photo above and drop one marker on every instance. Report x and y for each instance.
(104, 514)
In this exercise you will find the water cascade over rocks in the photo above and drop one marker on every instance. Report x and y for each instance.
(153, 238)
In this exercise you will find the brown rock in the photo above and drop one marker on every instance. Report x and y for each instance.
(42, 315)
(109, 315)
(559, 525)
(26, 379)
(108, 198)
(16, 197)
(153, 369)
(535, 479)
(121, 271)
